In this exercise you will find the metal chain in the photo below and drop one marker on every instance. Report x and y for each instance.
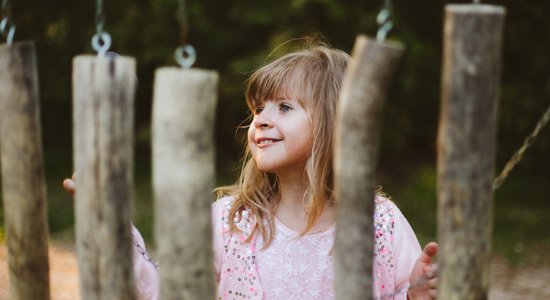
(185, 54)
(7, 27)
(384, 21)
(519, 154)
(101, 41)
(99, 17)
(183, 21)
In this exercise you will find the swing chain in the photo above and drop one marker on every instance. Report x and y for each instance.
(185, 55)
(384, 21)
(101, 41)
(183, 21)
(519, 154)
(7, 27)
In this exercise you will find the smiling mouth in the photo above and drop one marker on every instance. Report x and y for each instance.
(264, 142)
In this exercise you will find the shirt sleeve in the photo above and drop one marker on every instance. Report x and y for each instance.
(406, 250)
(218, 219)
(145, 270)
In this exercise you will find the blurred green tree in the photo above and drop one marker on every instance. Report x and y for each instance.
(235, 37)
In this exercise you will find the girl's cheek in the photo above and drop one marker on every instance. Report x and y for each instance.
(251, 133)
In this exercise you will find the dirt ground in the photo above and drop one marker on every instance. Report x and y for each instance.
(63, 273)
(507, 283)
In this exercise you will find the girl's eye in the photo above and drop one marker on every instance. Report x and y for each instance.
(285, 107)
(258, 110)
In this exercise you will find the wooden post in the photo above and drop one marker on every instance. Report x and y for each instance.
(103, 95)
(466, 143)
(183, 177)
(23, 184)
(357, 140)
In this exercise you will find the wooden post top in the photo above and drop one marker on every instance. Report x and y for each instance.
(384, 44)
(183, 70)
(16, 44)
(475, 9)
(84, 57)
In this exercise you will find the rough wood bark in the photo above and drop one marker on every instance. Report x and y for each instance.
(103, 95)
(357, 140)
(466, 143)
(183, 177)
(23, 184)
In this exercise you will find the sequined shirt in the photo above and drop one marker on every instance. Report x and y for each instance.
(295, 267)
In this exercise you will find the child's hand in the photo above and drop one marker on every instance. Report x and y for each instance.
(69, 184)
(423, 279)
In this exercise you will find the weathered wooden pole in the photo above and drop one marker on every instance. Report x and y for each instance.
(357, 140)
(466, 145)
(23, 184)
(103, 102)
(183, 177)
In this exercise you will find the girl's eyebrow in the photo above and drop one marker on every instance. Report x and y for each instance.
(285, 99)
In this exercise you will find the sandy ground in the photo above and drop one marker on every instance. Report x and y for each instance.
(63, 273)
(507, 283)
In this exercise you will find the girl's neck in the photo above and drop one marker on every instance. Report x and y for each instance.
(292, 191)
(291, 207)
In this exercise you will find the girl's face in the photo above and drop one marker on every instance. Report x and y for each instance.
(280, 137)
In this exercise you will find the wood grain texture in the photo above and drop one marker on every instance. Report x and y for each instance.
(357, 141)
(23, 181)
(466, 146)
(183, 178)
(103, 103)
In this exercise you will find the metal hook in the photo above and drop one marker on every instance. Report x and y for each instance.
(185, 56)
(383, 19)
(101, 43)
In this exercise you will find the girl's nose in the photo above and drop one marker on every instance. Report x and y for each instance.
(262, 121)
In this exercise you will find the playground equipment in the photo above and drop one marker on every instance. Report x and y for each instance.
(23, 185)
(103, 124)
(466, 142)
(357, 130)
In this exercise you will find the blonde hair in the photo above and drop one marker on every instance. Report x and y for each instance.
(313, 77)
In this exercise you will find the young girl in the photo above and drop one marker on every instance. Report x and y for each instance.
(274, 229)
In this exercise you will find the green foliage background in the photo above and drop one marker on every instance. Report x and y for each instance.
(234, 37)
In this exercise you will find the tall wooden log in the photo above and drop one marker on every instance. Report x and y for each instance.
(183, 177)
(357, 141)
(466, 145)
(103, 100)
(23, 184)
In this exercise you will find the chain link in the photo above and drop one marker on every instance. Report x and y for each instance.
(7, 27)
(183, 21)
(384, 21)
(185, 55)
(99, 18)
(519, 154)
(6, 9)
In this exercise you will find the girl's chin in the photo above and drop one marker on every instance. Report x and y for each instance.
(281, 170)
(266, 169)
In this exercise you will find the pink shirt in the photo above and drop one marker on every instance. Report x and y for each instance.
(297, 268)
